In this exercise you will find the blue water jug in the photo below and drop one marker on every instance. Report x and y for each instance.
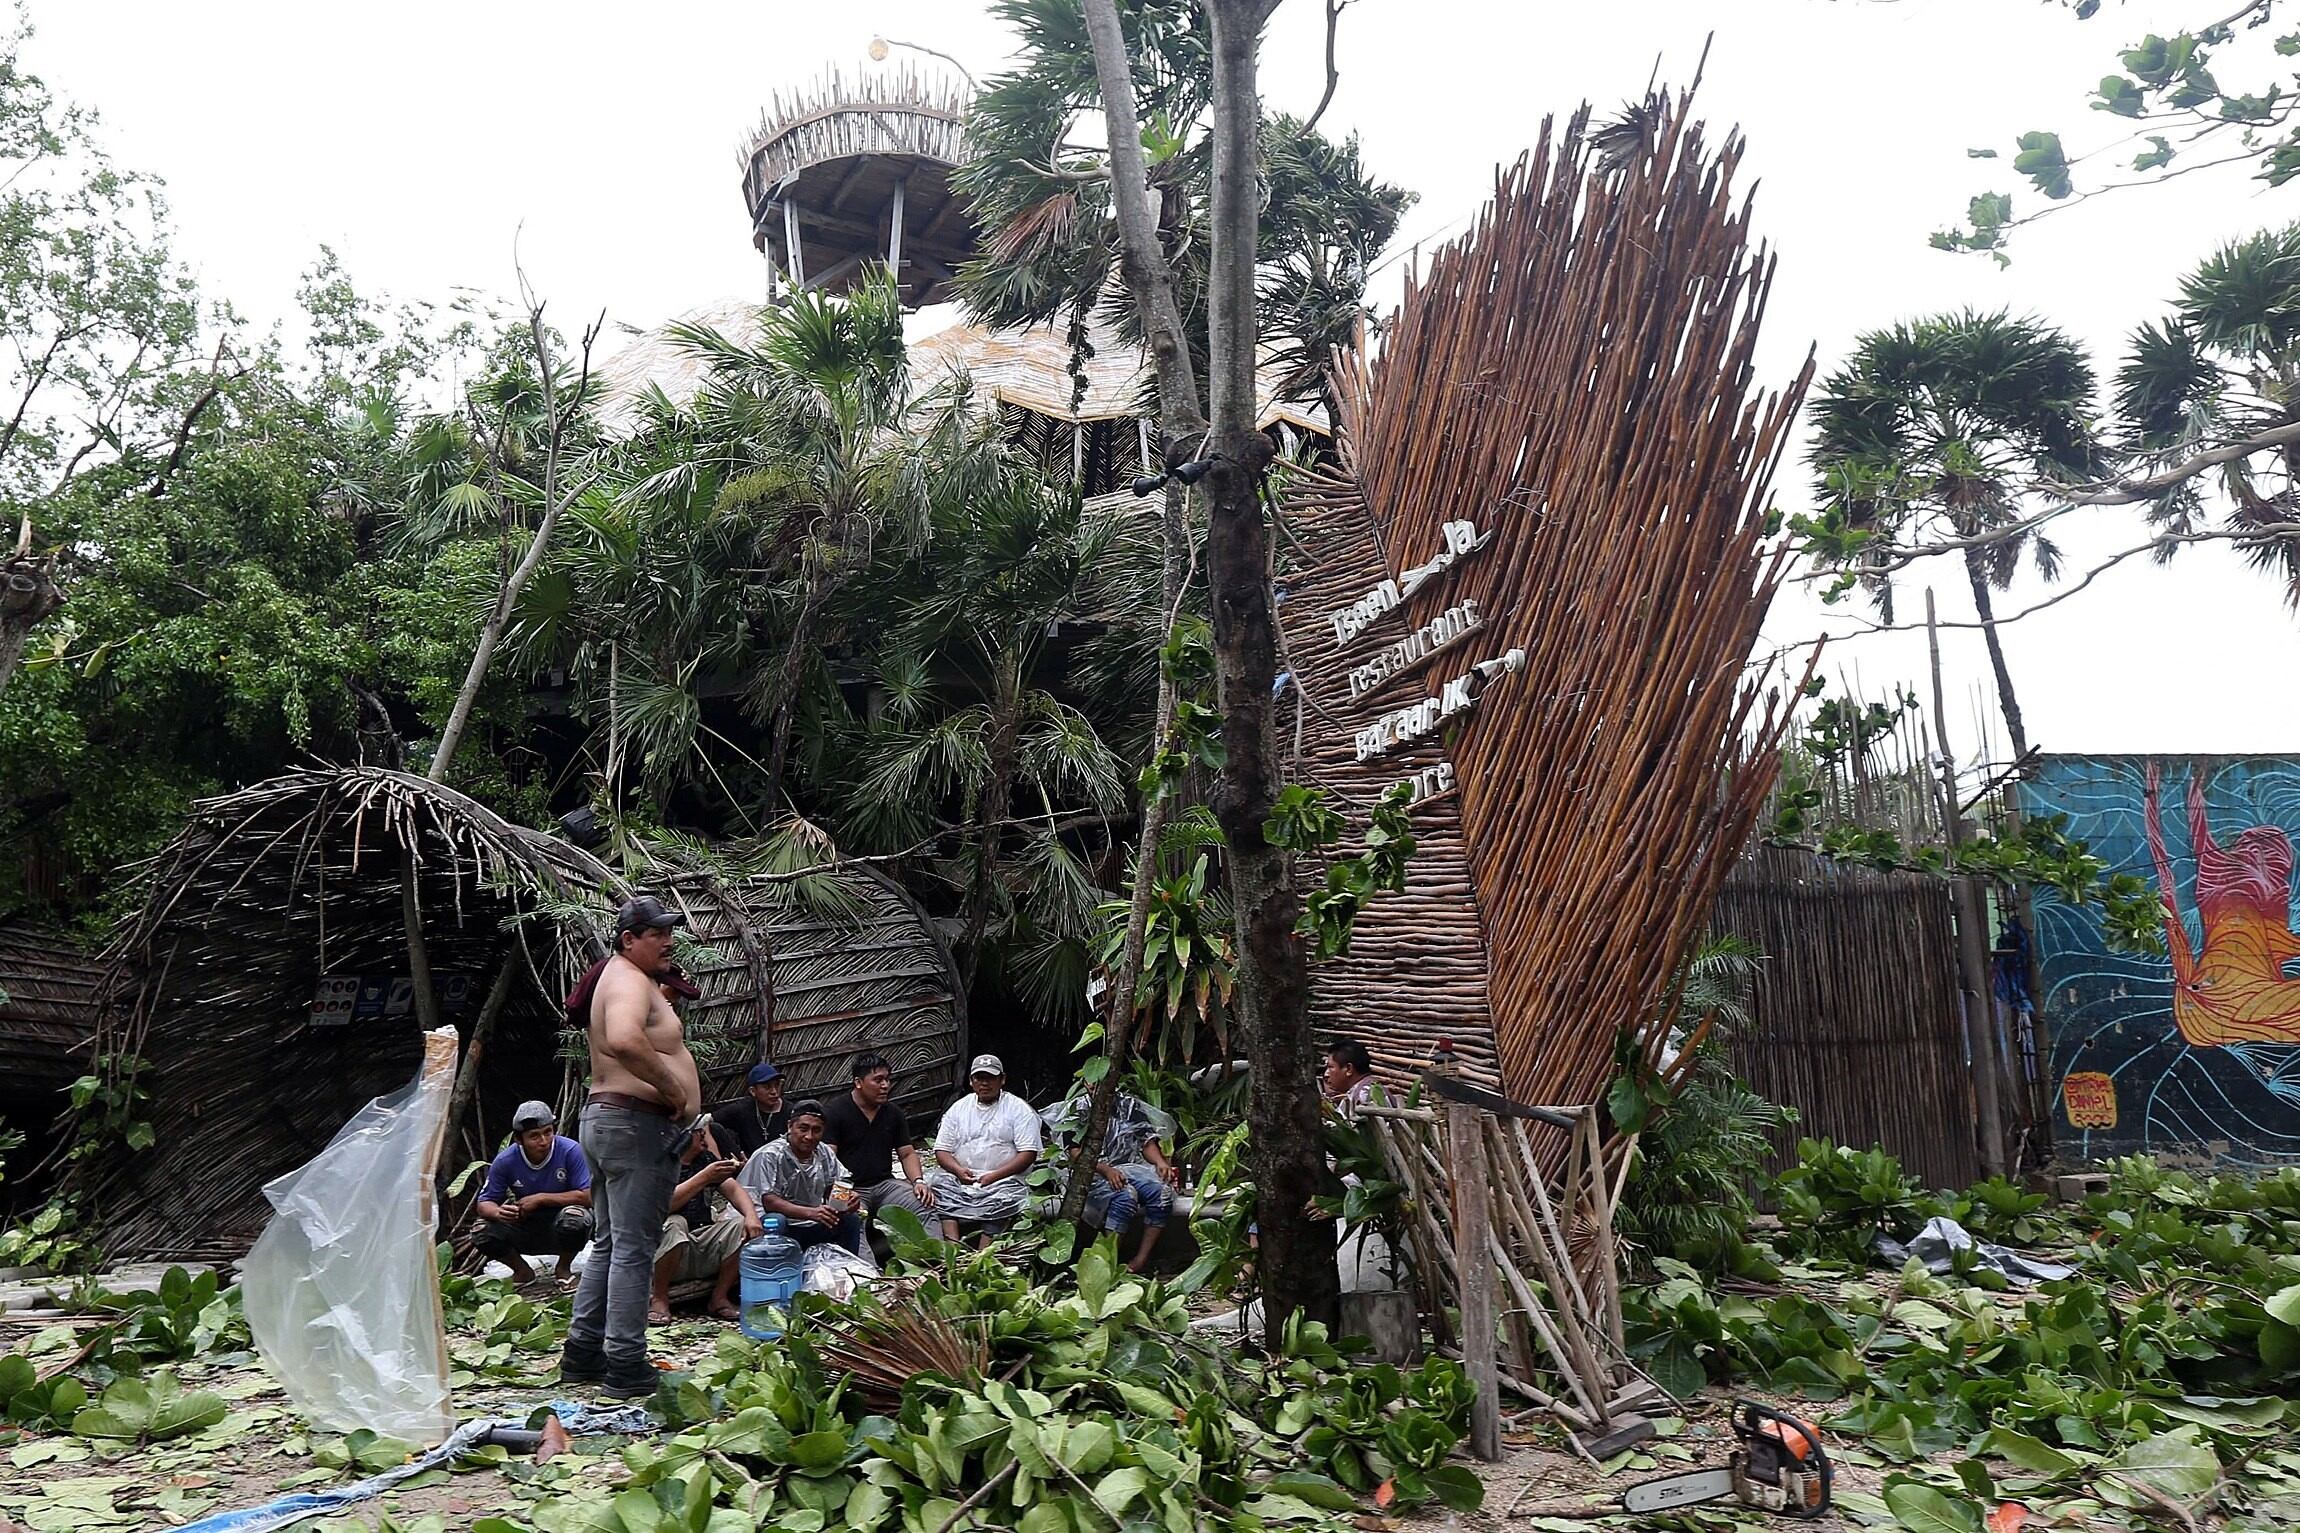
(772, 1271)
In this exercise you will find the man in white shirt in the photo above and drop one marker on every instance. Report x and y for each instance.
(986, 1142)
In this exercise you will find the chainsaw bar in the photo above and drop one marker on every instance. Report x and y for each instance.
(1679, 1490)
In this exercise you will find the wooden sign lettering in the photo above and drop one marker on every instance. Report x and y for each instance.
(1447, 627)
(1403, 725)
(1461, 540)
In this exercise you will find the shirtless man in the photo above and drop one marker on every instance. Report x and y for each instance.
(643, 1090)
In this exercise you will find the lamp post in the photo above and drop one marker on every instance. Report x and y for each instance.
(881, 46)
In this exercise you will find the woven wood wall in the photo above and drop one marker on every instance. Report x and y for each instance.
(1857, 1019)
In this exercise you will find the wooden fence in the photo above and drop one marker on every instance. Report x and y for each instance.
(1858, 1023)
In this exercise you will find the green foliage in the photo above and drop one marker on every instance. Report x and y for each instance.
(1051, 248)
(149, 1409)
(1931, 430)
(48, 1241)
(2172, 82)
(1091, 1408)
(1835, 1200)
(1330, 914)
(1702, 1142)
(498, 1332)
(1188, 960)
(26, 1400)
(2164, 1361)
(2217, 369)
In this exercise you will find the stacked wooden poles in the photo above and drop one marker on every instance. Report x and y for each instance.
(1577, 375)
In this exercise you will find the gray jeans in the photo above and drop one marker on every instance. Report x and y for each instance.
(895, 1192)
(632, 1177)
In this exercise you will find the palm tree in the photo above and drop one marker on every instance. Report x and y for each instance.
(1935, 430)
(1051, 249)
(734, 522)
(969, 723)
(2224, 366)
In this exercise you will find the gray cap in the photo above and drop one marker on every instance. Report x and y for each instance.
(532, 1115)
(986, 1064)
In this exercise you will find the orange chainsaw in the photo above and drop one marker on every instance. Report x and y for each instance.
(1778, 1466)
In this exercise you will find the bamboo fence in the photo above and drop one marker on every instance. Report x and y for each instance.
(1577, 376)
(267, 892)
(1857, 1020)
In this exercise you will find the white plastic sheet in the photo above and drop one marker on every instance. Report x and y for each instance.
(836, 1271)
(342, 1290)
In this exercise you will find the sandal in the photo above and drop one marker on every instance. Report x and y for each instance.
(658, 1316)
(725, 1309)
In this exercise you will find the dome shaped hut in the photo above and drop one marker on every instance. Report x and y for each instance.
(294, 936)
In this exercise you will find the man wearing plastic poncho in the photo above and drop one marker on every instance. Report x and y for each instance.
(1132, 1176)
(987, 1141)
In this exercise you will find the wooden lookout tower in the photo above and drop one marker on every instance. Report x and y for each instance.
(857, 173)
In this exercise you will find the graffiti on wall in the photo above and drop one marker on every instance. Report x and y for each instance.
(2196, 1053)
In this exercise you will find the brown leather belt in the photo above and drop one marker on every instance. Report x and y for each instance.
(627, 1102)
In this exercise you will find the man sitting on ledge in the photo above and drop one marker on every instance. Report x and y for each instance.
(798, 1176)
(537, 1197)
(987, 1141)
(698, 1244)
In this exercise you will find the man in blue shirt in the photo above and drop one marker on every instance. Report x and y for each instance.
(537, 1198)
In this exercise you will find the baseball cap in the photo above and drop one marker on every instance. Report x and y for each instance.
(680, 983)
(761, 1073)
(646, 913)
(532, 1115)
(986, 1064)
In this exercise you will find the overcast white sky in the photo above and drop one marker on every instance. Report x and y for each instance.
(418, 138)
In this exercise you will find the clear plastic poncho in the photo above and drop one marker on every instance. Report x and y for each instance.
(342, 1290)
(1133, 1124)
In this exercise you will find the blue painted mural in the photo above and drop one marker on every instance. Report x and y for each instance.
(2196, 1054)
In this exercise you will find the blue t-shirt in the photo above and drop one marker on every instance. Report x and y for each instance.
(563, 1170)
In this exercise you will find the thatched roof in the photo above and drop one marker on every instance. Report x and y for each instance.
(1017, 372)
(48, 1009)
(264, 983)
(833, 156)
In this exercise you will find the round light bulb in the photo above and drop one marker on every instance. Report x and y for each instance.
(878, 50)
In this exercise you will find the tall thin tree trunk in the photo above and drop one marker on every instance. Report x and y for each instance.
(1285, 1145)
(491, 634)
(995, 808)
(1151, 283)
(1986, 607)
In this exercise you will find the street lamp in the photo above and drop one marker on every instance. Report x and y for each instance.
(881, 46)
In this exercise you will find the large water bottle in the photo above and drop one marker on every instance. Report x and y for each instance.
(772, 1269)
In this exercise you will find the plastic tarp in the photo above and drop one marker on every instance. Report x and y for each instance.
(342, 1290)
(1936, 1244)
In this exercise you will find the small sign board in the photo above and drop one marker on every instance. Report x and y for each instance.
(331, 1004)
(2089, 1099)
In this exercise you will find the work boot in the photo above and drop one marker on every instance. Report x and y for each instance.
(582, 1365)
(638, 1385)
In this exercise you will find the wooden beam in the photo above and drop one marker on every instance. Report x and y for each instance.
(847, 182)
(1474, 1269)
(894, 233)
(792, 254)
